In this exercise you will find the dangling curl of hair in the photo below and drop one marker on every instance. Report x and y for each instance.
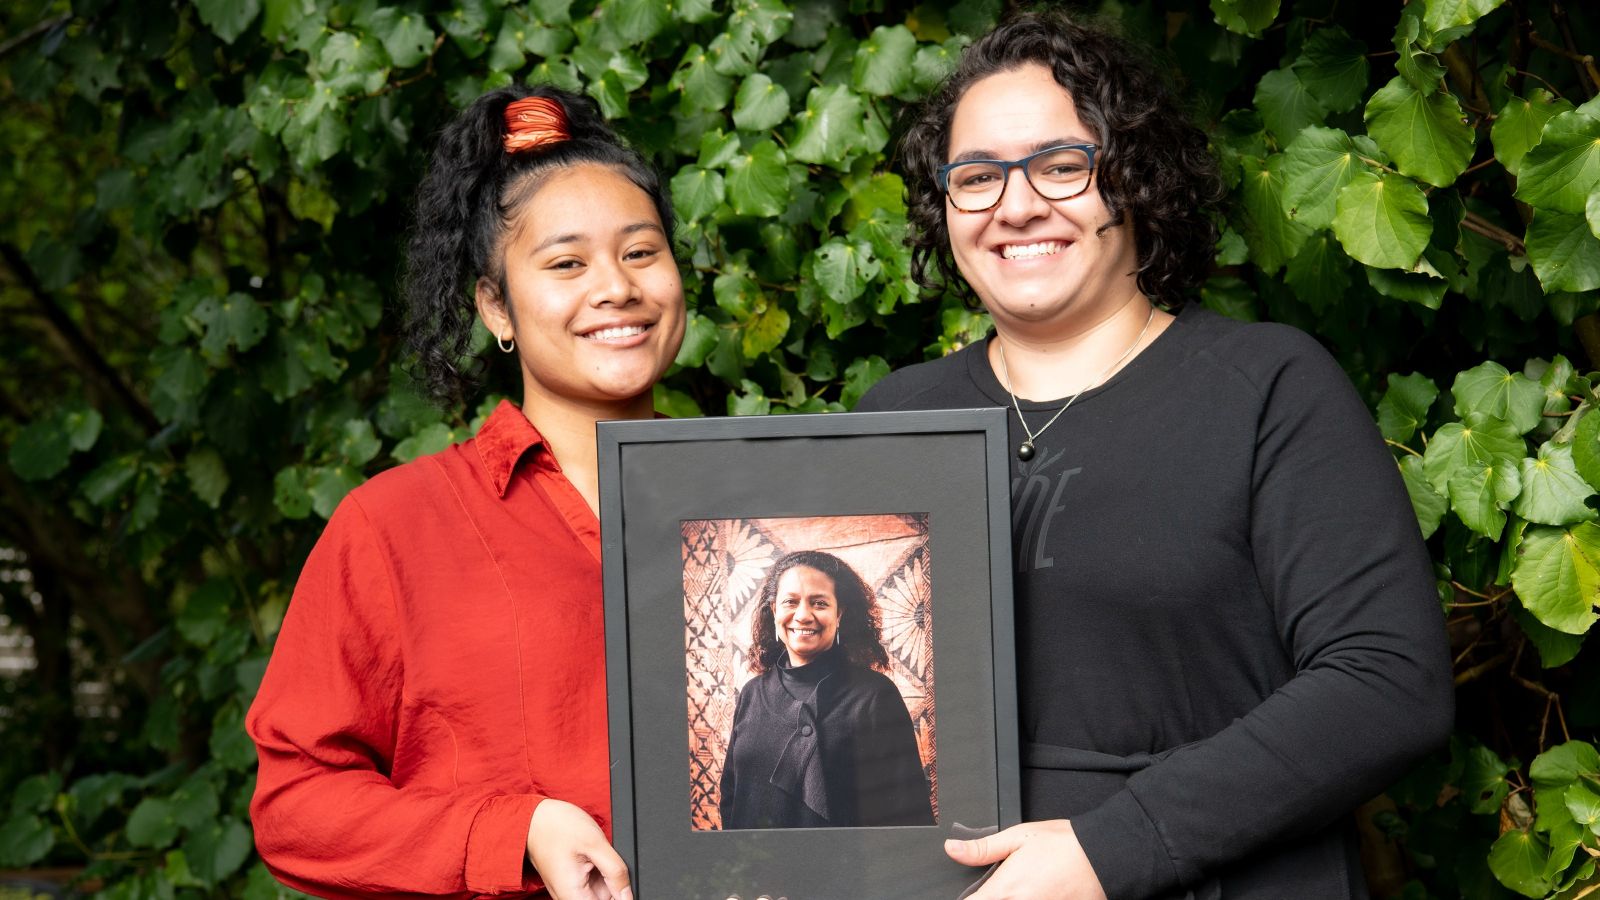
(1153, 168)
(859, 620)
(466, 204)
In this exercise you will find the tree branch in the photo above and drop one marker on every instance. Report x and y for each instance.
(32, 32)
(1479, 225)
(76, 340)
(1584, 61)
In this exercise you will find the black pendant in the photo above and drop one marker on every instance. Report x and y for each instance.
(1025, 452)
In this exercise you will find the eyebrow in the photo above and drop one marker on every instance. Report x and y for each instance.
(971, 155)
(573, 237)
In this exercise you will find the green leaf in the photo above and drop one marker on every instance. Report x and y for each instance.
(699, 339)
(765, 331)
(216, 850)
(1442, 14)
(831, 126)
(1480, 492)
(235, 320)
(760, 105)
(861, 375)
(1426, 133)
(1316, 167)
(228, 18)
(405, 35)
(1565, 839)
(1517, 860)
(24, 840)
(1488, 389)
(843, 269)
(1591, 211)
(41, 450)
(151, 824)
(1519, 126)
(696, 192)
(208, 476)
(427, 440)
(1586, 448)
(1484, 442)
(933, 63)
(1286, 105)
(1584, 805)
(758, 181)
(1564, 252)
(1405, 405)
(1382, 220)
(108, 482)
(1249, 17)
(717, 149)
(1483, 781)
(883, 64)
(289, 492)
(1426, 502)
(675, 404)
(735, 53)
(1231, 297)
(1333, 67)
(328, 485)
(637, 21)
(1414, 64)
(1557, 576)
(737, 292)
(205, 613)
(82, 427)
(1553, 493)
(1564, 764)
(1562, 171)
(358, 444)
(1273, 237)
(749, 401)
(703, 87)
(1556, 648)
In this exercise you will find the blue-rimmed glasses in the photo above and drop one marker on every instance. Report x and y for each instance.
(1056, 173)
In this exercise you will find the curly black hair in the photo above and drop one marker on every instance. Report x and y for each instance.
(465, 205)
(1154, 166)
(859, 620)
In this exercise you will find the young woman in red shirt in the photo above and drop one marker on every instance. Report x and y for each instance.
(433, 720)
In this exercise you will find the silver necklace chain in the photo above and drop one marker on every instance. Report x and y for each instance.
(1026, 450)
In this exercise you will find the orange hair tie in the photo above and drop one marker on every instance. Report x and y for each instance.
(534, 122)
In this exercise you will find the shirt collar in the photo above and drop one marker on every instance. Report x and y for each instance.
(504, 439)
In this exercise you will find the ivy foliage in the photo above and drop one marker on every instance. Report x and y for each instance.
(197, 275)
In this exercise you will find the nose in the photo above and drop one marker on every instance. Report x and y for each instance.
(1020, 203)
(803, 613)
(613, 284)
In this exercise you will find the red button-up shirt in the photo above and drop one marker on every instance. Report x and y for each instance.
(440, 671)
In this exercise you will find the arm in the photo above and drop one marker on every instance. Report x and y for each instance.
(889, 766)
(327, 818)
(1340, 560)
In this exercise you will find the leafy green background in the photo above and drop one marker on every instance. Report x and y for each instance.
(197, 269)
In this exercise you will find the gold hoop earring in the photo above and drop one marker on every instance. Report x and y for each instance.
(501, 342)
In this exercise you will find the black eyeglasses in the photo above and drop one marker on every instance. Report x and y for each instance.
(1056, 173)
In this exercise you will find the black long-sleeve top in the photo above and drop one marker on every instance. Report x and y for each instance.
(820, 745)
(1228, 633)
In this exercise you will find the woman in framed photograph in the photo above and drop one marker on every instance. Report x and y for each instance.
(1228, 633)
(820, 737)
(433, 718)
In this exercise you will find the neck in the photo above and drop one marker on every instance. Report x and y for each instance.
(1063, 361)
(567, 426)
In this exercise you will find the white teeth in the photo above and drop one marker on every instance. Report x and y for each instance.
(612, 334)
(1027, 251)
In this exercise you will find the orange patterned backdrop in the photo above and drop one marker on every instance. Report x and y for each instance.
(725, 562)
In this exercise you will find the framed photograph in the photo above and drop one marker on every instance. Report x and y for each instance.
(809, 651)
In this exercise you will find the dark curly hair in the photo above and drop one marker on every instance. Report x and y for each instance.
(1153, 167)
(859, 621)
(466, 203)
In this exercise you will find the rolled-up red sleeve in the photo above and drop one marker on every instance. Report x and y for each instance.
(329, 817)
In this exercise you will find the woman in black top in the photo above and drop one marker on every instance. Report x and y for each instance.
(821, 737)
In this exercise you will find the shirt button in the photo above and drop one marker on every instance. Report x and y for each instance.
(805, 731)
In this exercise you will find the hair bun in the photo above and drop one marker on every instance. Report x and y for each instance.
(534, 122)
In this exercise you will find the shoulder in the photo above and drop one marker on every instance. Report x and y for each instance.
(1262, 355)
(923, 385)
(405, 492)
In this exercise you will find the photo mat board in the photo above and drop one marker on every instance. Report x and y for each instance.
(655, 476)
(728, 564)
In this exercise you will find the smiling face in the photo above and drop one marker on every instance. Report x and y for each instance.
(805, 613)
(596, 302)
(1038, 265)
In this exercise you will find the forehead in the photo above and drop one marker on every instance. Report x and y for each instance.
(586, 198)
(1011, 112)
(803, 577)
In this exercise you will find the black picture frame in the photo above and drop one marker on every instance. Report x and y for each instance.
(657, 475)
